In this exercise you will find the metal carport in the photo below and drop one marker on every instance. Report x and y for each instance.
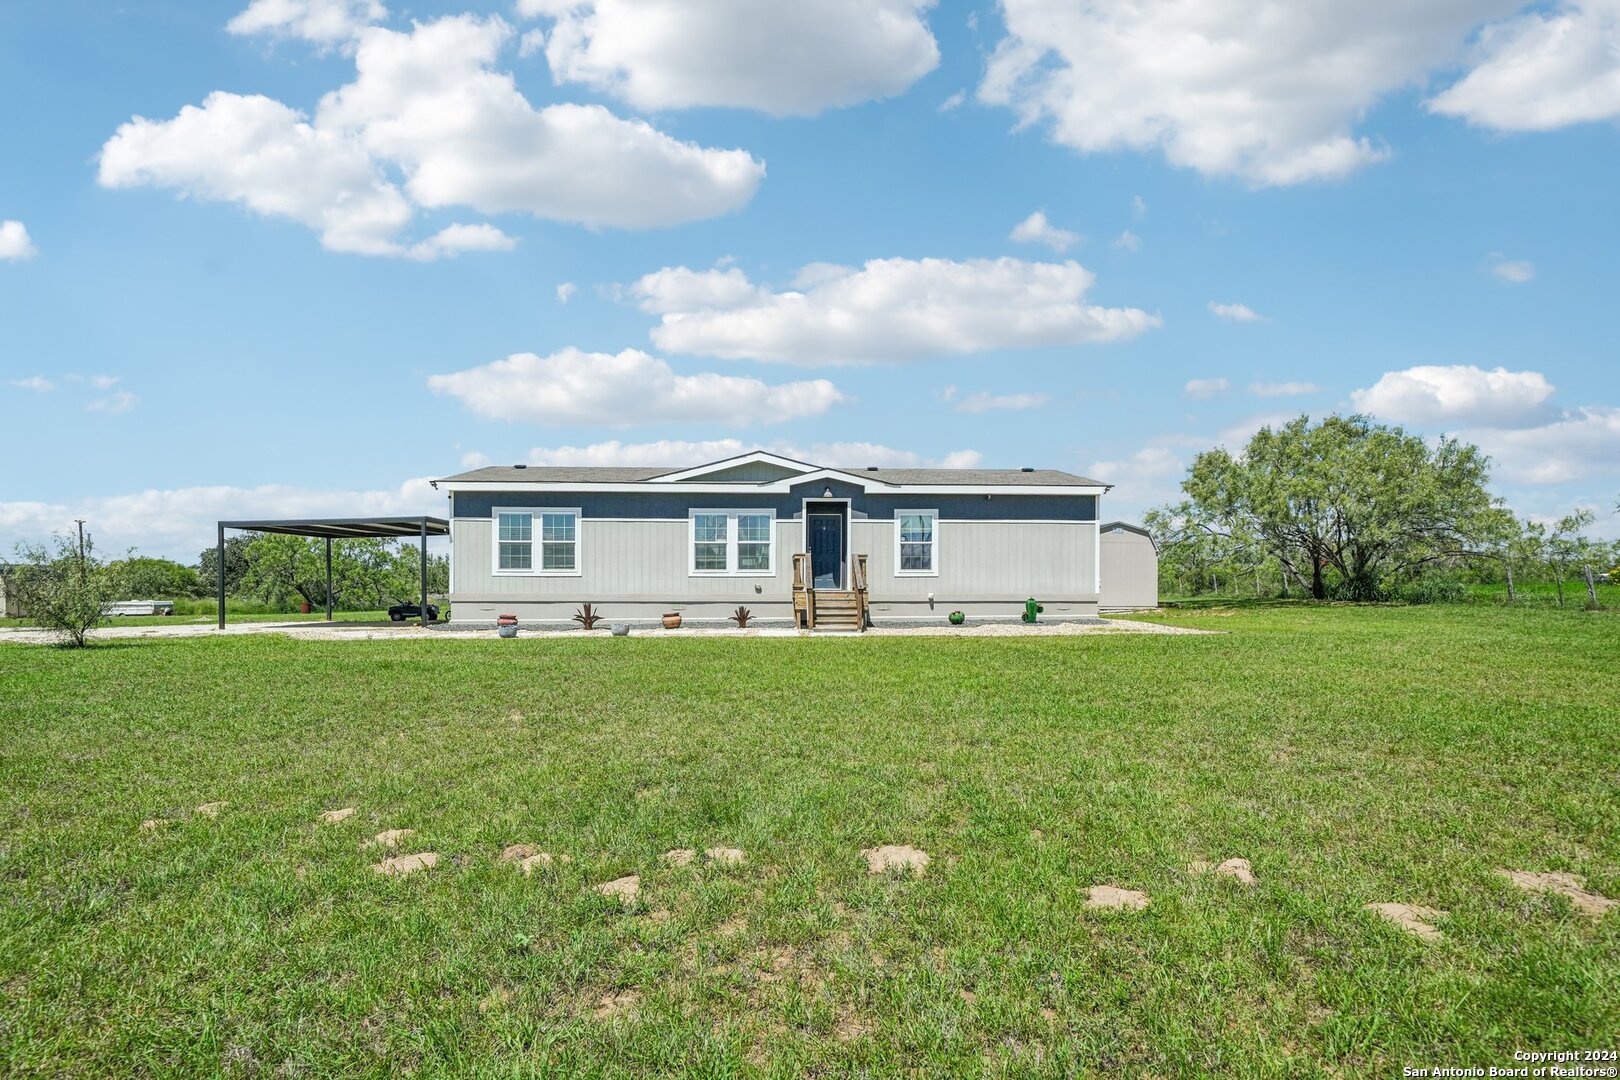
(339, 529)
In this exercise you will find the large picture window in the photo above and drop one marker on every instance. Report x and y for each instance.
(733, 542)
(520, 531)
(916, 542)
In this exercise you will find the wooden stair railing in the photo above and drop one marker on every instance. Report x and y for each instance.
(859, 584)
(804, 600)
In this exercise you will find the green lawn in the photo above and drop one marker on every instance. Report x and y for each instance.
(1351, 754)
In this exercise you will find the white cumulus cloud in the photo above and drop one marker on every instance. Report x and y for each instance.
(983, 402)
(1457, 395)
(624, 389)
(1543, 69)
(14, 242)
(566, 291)
(1273, 93)
(430, 104)
(889, 310)
(1206, 388)
(1582, 443)
(1037, 229)
(323, 22)
(37, 383)
(1510, 271)
(178, 523)
(1283, 389)
(1128, 241)
(1235, 312)
(779, 58)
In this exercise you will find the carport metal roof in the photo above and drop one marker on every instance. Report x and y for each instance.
(340, 528)
(331, 529)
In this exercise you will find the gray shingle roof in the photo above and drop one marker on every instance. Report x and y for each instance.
(970, 478)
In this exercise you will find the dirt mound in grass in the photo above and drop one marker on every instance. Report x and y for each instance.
(517, 852)
(611, 1005)
(727, 856)
(1413, 918)
(1111, 898)
(400, 865)
(332, 817)
(681, 856)
(152, 824)
(624, 889)
(1237, 869)
(392, 837)
(1590, 904)
(896, 857)
(211, 809)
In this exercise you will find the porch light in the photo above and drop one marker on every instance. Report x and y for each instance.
(826, 492)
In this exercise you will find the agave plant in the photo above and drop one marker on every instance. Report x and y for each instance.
(588, 617)
(741, 617)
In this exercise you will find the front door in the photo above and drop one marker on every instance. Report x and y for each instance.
(827, 550)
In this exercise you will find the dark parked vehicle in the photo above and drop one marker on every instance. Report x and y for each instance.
(401, 612)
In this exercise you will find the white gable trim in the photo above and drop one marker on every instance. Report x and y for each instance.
(757, 456)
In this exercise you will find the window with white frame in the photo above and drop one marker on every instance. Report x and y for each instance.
(916, 542)
(732, 542)
(559, 541)
(516, 539)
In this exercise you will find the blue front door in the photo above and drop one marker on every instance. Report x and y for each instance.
(827, 550)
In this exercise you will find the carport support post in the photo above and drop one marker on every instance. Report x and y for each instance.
(328, 579)
(220, 563)
(424, 572)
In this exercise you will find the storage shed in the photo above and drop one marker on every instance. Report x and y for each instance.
(1130, 567)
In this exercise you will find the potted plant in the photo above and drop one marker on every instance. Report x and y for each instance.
(957, 618)
(672, 620)
(620, 629)
(506, 625)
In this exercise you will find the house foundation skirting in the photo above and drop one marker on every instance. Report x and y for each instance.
(482, 609)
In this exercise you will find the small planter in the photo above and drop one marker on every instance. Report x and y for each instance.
(672, 620)
(507, 626)
(620, 629)
(957, 618)
(303, 608)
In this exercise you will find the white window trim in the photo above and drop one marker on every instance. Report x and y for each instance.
(934, 545)
(731, 541)
(536, 553)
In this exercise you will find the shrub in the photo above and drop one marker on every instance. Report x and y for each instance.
(741, 617)
(1430, 590)
(588, 617)
(65, 590)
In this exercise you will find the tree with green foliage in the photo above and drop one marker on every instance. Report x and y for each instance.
(64, 587)
(149, 578)
(1346, 499)
(236, 563)
(367, 574)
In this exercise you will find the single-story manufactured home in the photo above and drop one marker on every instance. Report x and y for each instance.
(830, 548)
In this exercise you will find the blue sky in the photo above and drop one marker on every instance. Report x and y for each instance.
(792, 226)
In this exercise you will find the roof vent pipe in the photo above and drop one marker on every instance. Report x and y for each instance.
(1026, 468)
(871, 468)
(520, 466)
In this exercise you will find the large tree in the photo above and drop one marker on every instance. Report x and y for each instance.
(366, 573)
(1346, 500)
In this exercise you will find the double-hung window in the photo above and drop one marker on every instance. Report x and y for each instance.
(732, 542)
(518, 533)
(916, 542)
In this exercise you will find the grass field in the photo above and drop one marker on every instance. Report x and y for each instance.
(1351, 754)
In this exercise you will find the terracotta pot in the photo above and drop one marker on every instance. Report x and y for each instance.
(672, 620)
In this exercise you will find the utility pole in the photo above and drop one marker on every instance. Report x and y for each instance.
(80, 523)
